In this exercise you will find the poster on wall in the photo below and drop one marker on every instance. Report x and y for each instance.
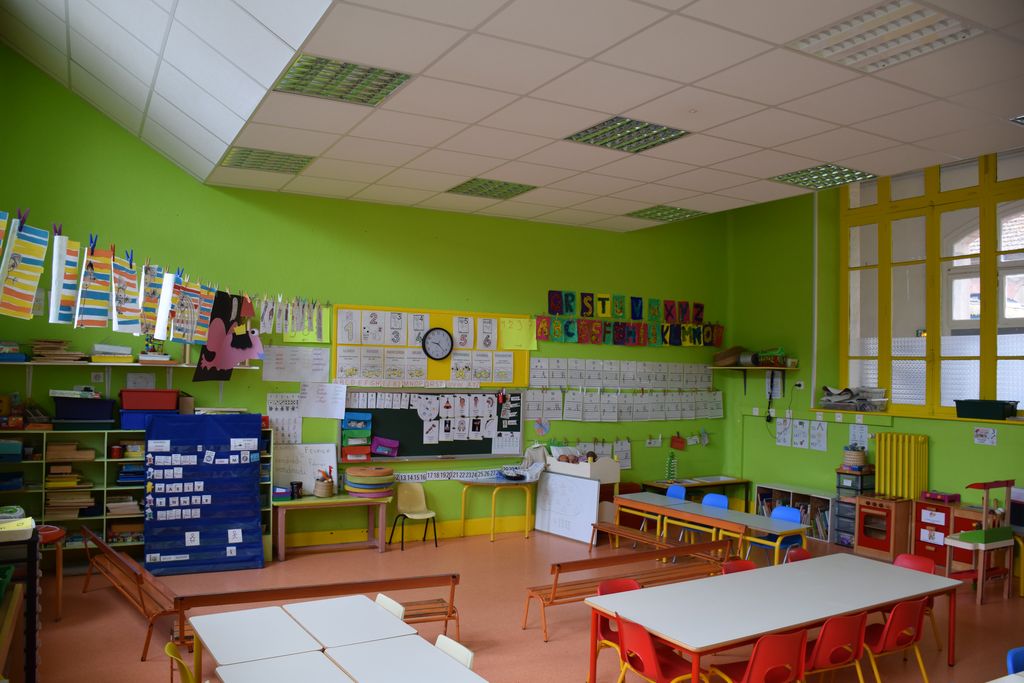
(229, 342)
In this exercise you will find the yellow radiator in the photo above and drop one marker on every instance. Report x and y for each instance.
(901, 464)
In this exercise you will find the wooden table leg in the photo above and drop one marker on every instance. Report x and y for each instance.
(529, 506)
(382, 524)
(951, 636)
(981, 564)
(949, 560)
(197, 655)
(592, 673)
(462, 518)
(279, 523)
(1009, 573)
(371, 523)
(494, 505)
(60, 576)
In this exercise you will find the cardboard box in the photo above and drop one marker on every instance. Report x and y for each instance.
(186, 404)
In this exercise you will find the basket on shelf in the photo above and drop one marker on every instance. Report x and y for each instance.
(323, 488)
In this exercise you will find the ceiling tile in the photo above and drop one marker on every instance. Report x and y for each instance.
(364, 36)
(706, 180)
(968, 65)
(456, 202)
(837, 144)
(700, 150)
(454, 162)
(777, 76)
(141, 18)
(447, 100)
(528, 174)
(612, 205)
(105, 99)
(292, 20)
(312, 113)
(515, 210)
(550, 197)
(323, 187)
(574, 155)
(765, 164)
(461, 13)
(494, 142)
(40, 21)
(117, 43)
(624, 224)
(652, 193)
(711, 203)
(56, 7)
(925, 121)
(764, 191)
(392, 195)
(896, 160)
(159, 138)
(346, 170)
(538, 117)
(167, 5)
(604, 88)
(423, 180)
(639, 167)
(373, 151)
(248, 178)
(175, 122)
(282, 139)
(38, 51)
(573, 216)
(115, 76)
(212, 72)
(410, 129)
(779, 21)
(237, 35)
(1016, 31)
(579, 27)
(197, 103)
(693, 109)
(857, 100)
(496, 63)
(993, 13)
(770, 127)
(697, 50)
(1004, 100)
(999, 136)
(594, 184)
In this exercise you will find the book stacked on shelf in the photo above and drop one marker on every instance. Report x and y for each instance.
(125, 532)
(10, 352)
(69, 451)
(67, 504)
(122, 506)
(63, 477)
(155, 359)
(84, 392)
(111, 353)
(55, 351)
(131, 475)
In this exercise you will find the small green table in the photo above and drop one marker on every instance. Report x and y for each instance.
(376, 520)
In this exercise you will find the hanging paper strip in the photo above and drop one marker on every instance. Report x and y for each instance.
(127, 313)
(152, 279)
(21, 269)
(185, 314)
(92, 308)
(205, 311)
(3, 227)
(166, 303)
(64, 280)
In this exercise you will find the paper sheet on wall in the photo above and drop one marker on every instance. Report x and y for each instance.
(487, 334)
(64, 280)
(462, 365)
(552, 404)
(296, 364)
(372, 326)
(504, 367)
(819, 436)
(801, 433)
(573, 406)
(150, 283)
(163, 307)
(534, 404)
(783, 432)
(623, 451)
(859, 435)
(21, 269)
(483, 366)
(322, 400)
(394, 333)
(462, 331)
(92, 309)
(415, 366)
(285, 420)
(517, 334)
(188, 300)
(319, 333)
(418, 324)
(509, 437)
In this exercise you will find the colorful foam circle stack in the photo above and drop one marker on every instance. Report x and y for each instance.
(370, 481)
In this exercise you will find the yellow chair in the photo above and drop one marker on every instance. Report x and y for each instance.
(412, 504)
(171, 650)
(456, 650)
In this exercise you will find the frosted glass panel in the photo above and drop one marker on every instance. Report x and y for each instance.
(1010, 227)
(908, 239)
(1010, 165)
(907, 185)
(864, 245)
(1010, 381)
(909, 382)
(959, 380)
(961, 345)
(864, 193)
(863, 339)
(958, 175)
(863, 373)
(960, 234)
(1013, 296)
(1010, 342)
(908, 310)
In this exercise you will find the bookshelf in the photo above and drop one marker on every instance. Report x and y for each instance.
(817, 508)
(123, 531)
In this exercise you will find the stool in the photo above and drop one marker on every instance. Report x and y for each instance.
(54, 534)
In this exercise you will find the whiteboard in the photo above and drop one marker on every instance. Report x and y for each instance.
(296, 364)
(567, 506)
(302, 461)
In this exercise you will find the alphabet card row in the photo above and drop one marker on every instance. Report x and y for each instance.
(615, 374)
(578, 405)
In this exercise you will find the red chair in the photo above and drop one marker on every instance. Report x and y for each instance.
(796, 554)
(733, 566)
(900, 632)
(926, 565)
(776, 658)
(654, 662)
(839, 644)
(609, 637)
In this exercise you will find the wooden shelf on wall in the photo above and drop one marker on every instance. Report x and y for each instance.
(755, 368)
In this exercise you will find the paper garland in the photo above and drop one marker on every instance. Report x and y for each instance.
(127, 315)
(22, 269)
(64, 280)
(92, 307)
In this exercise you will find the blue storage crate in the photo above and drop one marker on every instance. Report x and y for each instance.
(139, 419)
(66, 408)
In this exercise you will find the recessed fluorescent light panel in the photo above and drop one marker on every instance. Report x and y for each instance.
(826, 175)
(492, 189)
(665, 213)
(265, 160)
(333, 80)
(1019, 120)
(888, 34)
(627, 135)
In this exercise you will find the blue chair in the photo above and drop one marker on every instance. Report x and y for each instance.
(676, 491)
(715, 500)
(1015, 660)
(690, 528)
(774, 542)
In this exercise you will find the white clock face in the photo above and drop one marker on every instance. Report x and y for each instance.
(437, 343)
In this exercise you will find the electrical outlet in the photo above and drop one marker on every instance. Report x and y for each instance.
(755, 411)
(799, 385)
(771, 412)
(96, 377)
(789, 414)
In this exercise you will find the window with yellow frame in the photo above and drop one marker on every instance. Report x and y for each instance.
(932, 285)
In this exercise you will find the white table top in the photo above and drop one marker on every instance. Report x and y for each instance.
(754, 522)
(346, 620)
(250, 634)
(308, 667)
(1009, 678)
(770, 599)
(408, 658)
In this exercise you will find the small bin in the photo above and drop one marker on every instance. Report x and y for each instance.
(844, 525)
(855, 481)
(149, 399)
(66, 408)
(847, 510)
(985, 410)
(139, 419)
(381, 446)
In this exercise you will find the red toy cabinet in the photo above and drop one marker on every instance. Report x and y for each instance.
(934, 520)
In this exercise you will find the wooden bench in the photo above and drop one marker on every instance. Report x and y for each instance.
(689, 562)
(144, 592)
(632, 534)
